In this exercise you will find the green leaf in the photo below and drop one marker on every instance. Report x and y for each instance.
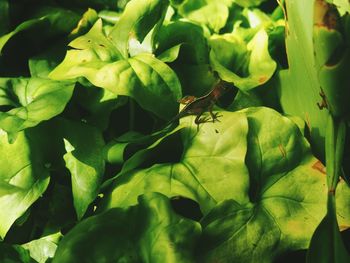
(138, 18)
(299, 85)
(115, 149)
(98, 104)
(23, 178)
(31, 101)
(326, 243)
(332, 57)
(4, 17)
(44, 248)
(245, 65)
(184, 36)
(14, 254)
(42, 64)
(343, 6)
(48, 22)
(85, 23)
(196, 80)
(157, 235)
(84, 159)
(249, 3)
(205, 12)
(118, 149)
(146, 79)
(289, 189)
(257, 166)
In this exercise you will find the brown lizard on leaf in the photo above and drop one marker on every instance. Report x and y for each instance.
(197, 106)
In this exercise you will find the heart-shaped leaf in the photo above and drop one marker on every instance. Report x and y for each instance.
(256, 164)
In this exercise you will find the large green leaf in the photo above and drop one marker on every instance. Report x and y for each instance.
(23, 178)
(332, 57)
(84, 160)
(245, 65)
(287, 193)
(31, 101)
(259, 162)
(137, 20)
(148, 232)
(299, 85)
(43, 63)
(146, 79)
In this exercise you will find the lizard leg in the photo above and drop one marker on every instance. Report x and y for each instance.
(215, 116)
(200, 120)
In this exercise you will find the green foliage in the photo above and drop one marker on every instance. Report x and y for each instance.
(95, 166)
(262, 194)
(146, 79)
(31, 101)
(157, 235)
(43, 248)
(24, 177)
(247, 65)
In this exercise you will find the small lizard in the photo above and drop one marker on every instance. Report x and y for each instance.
(197, 106)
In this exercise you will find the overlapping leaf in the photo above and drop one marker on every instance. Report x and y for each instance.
(14, 253)
(184, 36)
(245, 65)
(148, 80)
(48, 21)
(279, 195)
(27, 102)
(205, 12)
(147, 232)
(300, 81)
(137, 20)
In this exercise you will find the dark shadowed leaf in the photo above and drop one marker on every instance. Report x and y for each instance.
(147, 232)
